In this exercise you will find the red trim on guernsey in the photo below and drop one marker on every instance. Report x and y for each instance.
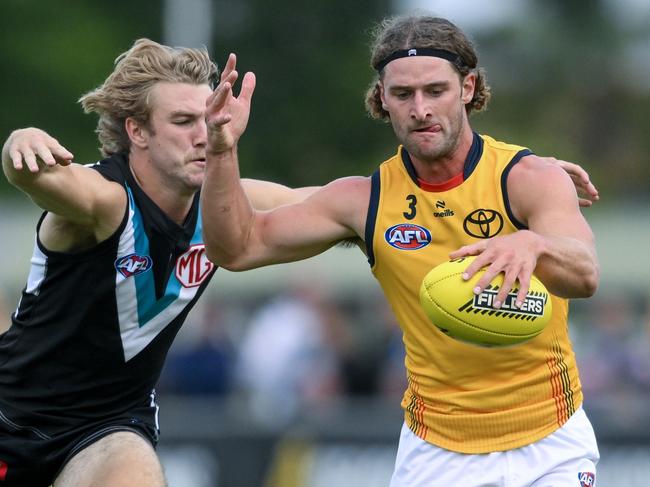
(3, 470)
(457, 180)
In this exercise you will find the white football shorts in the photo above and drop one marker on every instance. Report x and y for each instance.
(565, 458)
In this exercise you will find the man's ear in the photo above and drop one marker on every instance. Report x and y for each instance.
(380, 87)
(138, 134)
(468, 86)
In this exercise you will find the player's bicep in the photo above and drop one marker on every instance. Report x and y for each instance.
(266, 195)
(307, 228)
(298, 231)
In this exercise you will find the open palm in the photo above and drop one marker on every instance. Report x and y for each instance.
(227, 115)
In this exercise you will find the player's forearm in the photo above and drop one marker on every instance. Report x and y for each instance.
(37, 185)
(226, 211)
(568, 267)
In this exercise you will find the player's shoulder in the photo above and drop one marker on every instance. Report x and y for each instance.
(538, 172)
(534, 182)
(500, 145)
(113, 168)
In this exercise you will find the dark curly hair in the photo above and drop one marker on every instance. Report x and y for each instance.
(398, 33)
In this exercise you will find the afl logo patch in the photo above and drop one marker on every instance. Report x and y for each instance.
(483, 223)
(407, 236)
(193, 267)
(587, 479)
(133, 264)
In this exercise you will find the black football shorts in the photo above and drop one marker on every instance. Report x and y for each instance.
(30, 457)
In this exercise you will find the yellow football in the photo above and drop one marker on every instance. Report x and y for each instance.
(450, 303)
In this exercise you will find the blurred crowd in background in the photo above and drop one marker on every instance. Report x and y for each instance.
(304, 346)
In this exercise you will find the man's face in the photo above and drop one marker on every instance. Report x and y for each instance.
(426, 99)
(177, 133)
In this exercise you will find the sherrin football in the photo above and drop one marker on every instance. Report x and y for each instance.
(450, 303)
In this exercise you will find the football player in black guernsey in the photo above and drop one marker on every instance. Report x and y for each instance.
(118, 263)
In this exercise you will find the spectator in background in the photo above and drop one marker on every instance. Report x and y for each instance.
(611, 363)
(372, 359)
(288, 356)
(201, 361)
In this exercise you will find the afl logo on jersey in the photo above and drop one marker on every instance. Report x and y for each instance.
(407, 236)
(193, 266)
(133, 264)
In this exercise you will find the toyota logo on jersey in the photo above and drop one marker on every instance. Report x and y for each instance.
(193, 266)
(407, 236)
(133, 264)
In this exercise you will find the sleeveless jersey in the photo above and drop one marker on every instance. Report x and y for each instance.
(92, 329)
(464, 397)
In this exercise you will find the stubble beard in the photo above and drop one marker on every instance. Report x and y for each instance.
(449, 141)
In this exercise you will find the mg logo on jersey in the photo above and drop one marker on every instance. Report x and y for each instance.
(407, 236)
(193, 266)
(587, 479)
(133, 264)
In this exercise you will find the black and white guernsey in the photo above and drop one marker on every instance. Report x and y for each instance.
(93, 328)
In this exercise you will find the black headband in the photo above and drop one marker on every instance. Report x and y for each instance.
(453, 58)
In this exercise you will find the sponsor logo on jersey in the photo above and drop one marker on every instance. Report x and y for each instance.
(445, 211)
(531, 308)
(587, 479)
(407, 236)
(483, 223)
(3, 470)
(133, 264)
(193, 267)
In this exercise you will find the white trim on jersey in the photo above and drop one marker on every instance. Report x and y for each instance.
(136, 336)
(37, 271)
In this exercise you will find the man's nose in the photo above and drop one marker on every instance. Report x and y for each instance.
(201, 133)
(420, 109)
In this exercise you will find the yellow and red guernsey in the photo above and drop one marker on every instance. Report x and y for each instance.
(462, 397)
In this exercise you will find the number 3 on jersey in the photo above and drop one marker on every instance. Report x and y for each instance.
(412, 201)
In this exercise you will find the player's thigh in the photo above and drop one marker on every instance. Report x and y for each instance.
(123, 459)
(422, 464)
(566, 458)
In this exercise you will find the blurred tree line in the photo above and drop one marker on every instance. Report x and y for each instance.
(558, 79)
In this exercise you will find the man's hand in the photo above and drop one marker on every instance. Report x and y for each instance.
(515, 255)
(587, 192)
(25, 147)
(226, 115)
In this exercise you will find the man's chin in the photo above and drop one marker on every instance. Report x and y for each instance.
(425, 153)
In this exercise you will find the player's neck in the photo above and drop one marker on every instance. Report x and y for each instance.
(175, 205)
(442, 169)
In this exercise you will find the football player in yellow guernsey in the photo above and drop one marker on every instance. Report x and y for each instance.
(473, 416)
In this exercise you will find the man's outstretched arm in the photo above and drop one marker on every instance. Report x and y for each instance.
(238, 237)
